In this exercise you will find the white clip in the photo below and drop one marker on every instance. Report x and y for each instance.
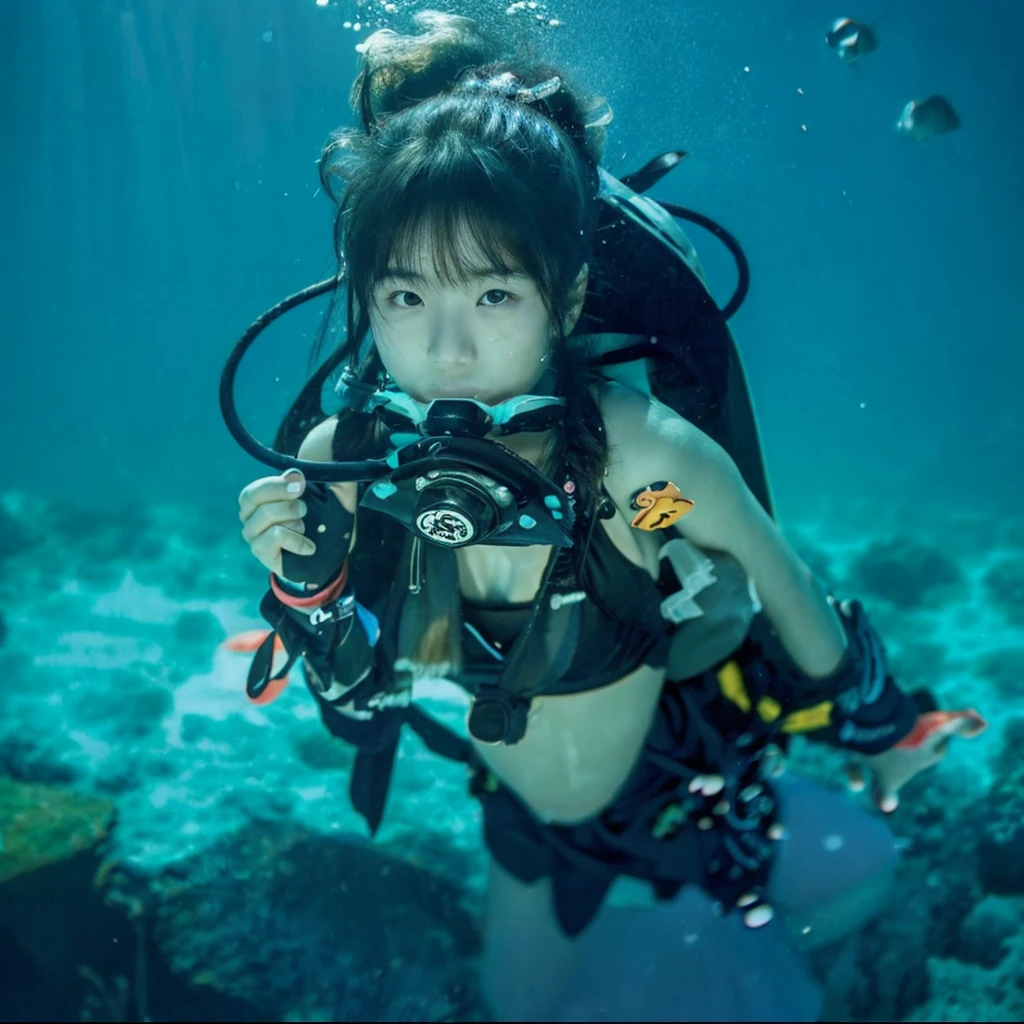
(695, 572)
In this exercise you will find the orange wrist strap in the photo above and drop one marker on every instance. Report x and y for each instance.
(321, 597)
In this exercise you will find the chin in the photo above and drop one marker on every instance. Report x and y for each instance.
(484, 395)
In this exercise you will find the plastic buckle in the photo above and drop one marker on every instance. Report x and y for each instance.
(497, 716)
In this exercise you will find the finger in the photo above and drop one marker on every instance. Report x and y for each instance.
(255, 494)
(885, 796)
(268, 546)
(270, 489)
(967, 723)
(855, 777)
(276, 513)
(289, 540)
(889, 803)
(934, 726)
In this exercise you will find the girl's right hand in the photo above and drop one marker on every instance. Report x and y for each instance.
(271, 510)
(272, 516)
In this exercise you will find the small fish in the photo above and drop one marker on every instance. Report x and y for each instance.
(921, 119)
(851, 39)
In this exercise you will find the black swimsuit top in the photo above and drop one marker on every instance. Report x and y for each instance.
(622, 626)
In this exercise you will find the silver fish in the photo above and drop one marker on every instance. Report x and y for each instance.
(921, 119)
(851, 39)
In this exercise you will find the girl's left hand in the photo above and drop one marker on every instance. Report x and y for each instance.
(924, 746)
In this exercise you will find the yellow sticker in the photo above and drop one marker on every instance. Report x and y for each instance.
(660, 505)
(809, 719)
(730, 679)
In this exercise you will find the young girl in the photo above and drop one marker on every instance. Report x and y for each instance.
(467, 231)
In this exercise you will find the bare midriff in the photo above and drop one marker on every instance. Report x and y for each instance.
(579, 748)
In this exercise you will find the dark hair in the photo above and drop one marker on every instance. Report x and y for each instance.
(447, 140)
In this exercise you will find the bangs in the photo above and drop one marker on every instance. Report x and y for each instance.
(456, 243)
(451, 217)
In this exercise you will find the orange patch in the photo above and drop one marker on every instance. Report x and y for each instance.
(250, 641)
(660, 505)
(961, 723)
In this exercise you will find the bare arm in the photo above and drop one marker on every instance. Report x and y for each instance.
(317, 447)
(650, 442)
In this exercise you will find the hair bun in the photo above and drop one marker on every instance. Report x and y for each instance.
(452, 53)
(400, 71)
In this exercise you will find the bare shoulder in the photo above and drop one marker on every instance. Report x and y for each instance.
(651, 445)
(646, 437)
(318, 445)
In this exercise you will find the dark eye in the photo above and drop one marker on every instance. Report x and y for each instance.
(501, 297)
(402, 305)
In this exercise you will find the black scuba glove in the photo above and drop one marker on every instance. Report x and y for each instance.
(315, 636)
(329, 525)
(317, 633)
(869, 713)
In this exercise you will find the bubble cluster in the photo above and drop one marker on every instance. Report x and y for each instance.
(363, 15)
(371, 15)
(536, 10)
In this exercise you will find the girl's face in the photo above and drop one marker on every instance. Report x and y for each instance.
(488, 338)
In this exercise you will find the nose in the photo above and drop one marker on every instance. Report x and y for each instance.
(451, 342)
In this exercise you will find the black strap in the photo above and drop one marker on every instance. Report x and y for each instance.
(371, 781)
(438, 738)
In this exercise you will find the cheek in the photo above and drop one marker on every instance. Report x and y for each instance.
(393, 355)
(525, 346)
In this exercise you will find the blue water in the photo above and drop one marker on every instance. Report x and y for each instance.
(159, 192)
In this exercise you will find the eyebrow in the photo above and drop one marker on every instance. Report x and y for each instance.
(475, 274)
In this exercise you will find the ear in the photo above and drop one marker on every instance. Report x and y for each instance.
(578, 296)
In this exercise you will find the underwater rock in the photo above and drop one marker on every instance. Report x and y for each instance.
(986, 932)
(38, 758)
(1004, 669)
(968, 992)
(198, 627)
(276, 914)
(131, 708)
(904, 572)
(1000, 850)
(43, 824)
(75, 946)
(1001, 860)
(319, 750)
(51, 917)
(1004, 583)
